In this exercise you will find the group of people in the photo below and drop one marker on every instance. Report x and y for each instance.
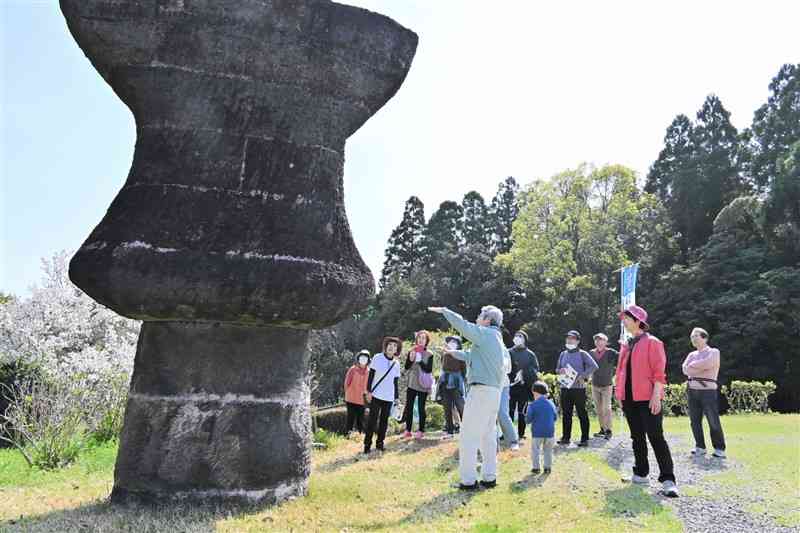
(488, 385)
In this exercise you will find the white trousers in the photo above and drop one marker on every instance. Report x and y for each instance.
(478, 433)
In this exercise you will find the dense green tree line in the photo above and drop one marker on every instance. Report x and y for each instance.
(715, 227)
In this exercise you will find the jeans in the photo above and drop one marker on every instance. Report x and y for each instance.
(546, 443)
(506, 424)
(519, 404)
(602, 404)
(379, 411)
(452, 398)
(478, 431)
(706, 402)
(408, 414)
(574, 398)
(355, 417)
(645, 426)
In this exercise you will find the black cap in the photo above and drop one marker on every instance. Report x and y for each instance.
(454, 338)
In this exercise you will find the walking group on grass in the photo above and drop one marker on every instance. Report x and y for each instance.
(488, 384)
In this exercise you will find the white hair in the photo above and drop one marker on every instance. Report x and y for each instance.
(493, 315)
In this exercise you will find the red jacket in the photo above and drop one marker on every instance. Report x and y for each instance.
(355, 384)
(648, 366)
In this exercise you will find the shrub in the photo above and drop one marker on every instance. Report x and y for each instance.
(675, 402)
(748, 396)
(45, 421)
(12, 373)
(434, 416)
(332, 419)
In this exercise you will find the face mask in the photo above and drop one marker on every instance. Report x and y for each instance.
(452, 345)
(362, 361)
(519, 341)
(571, 346)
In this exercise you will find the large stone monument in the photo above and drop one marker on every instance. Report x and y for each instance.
(229, 238)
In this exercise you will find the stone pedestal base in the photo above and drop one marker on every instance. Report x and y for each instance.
(216, 412)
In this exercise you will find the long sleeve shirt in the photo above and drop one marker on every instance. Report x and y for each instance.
(486, 357)
(583, 363)
(702, 364)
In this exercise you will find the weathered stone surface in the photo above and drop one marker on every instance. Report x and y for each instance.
(216, 411)
(233, 209)
(230, 237)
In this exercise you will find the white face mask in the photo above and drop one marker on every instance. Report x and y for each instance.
(571, 346)
(452, 345)
(362, 360)
(519, 341)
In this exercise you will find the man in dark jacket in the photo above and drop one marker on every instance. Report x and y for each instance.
(606, 359)
(524, 373)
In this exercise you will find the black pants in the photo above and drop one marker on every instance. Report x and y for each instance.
(706, 402)
(645, 426)
(574, 398)
(355, 417)
(452, 398)
(408, 415)
(518, 403)
(378, 417)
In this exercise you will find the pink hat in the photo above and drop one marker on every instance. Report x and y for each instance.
(638, 313)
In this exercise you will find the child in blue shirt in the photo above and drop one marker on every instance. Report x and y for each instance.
(542, 416)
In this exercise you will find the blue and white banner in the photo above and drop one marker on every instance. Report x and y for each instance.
(628, 292)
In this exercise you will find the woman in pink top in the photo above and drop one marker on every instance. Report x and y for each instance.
(355, 386)
(702, 368)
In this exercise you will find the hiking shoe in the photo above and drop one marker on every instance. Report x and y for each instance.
(515, 447)
(601, 433)
(720, 454)
(640, 480)
(474, 486)
(366, 451)
(608, 434)
(583, 443)
(489, 484)
(419, 435)
(563, 442)
(406, 434)
(669, 489)
(698, 451)
(447, 436)
(535, 470)
(547, 470)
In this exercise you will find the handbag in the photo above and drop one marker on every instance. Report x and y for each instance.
(425, 379)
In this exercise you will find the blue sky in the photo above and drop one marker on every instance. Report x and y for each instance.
(524, 89)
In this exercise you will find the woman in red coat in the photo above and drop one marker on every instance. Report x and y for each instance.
(641, 376)
(355, 386)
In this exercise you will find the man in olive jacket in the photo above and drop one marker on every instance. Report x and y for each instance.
(602, 381)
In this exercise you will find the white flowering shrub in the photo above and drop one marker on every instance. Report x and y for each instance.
(79, 350)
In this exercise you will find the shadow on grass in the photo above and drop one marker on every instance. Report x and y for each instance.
(630, 502)
(442, 505)
(531, 481)
(103, 516)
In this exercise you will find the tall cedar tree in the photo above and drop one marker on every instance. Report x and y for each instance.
(697, 173)
(444, 234)
(406, 244)
(776, 126)
(475, 223)
(503, 212)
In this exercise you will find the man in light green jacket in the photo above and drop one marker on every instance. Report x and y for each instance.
(485, 378)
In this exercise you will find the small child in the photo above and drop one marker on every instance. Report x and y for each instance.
(542, 416)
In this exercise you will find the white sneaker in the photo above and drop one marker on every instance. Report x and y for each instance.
(698, 451)
(515, 447)
(640, 480)
(719, 453)
(668, 488)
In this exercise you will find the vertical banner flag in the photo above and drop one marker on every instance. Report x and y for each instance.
(628, 292)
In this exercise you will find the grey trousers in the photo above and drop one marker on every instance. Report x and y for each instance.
(547, 445)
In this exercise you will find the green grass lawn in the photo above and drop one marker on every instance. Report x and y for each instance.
(410, 488)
